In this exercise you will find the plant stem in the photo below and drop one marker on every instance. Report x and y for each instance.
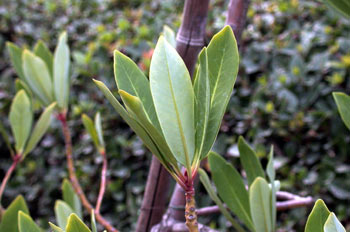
(190, 211)
(16, 159)
(103, 181)
(73, 178)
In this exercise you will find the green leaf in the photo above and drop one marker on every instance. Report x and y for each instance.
(9, 220)
(76, 225)
(93, 221)
(16, 58)
(317, 217)
(55, 228)
(131, 79)
(231, 188)
(169, 35)
(250, 161)
(37, 77)
(40, 128)
(134, 106)
(90, 128)
(21, 119)
(44, 53)
(202, 106)
(270, 170)
(343, 103)
(26, 223)
(333, 224)
(20, 84)
(61, 64)
(260, 205)
(98, 126)
(341, 6)
(131, 122)
(71, 198)
(223, 60)
(173, 98)
(62, 212)
(6, 138)
(206, 182)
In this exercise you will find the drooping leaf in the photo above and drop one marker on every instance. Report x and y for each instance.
(71, 198)
(250, 161)
(333, 224)
(37, 77)
(341, 6)
(40, 128)
(270, 170)
(26, 223)
(231, 188)
(61, 62)
(98, 126)
(131, 79)
(131, 122)
(62, 212)
(343, 103)
(134, 105)
(6, 138)
(21, 119)
(202, 106)
(173, 98)
(206, 182)
(44, 53)
(169, 35)
(260, 205)
(90, 128)
(55, 228)
(9, 220)
(93, 221)
(223, 60)
(16, 58)
(75, 224)
(317, 217)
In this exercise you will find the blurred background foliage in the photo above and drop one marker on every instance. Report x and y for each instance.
(293, 55)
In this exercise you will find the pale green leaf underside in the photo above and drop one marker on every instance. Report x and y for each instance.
(260, 205)
(90, 128)
(98, 126)
(333, 224)
(231, 188)
(270, 170)
(169, 35)
(173, 98)
(343, 103)
(62, 212)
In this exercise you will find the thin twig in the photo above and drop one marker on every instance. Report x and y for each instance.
(73, 178)
(16, 159)
(103, 181)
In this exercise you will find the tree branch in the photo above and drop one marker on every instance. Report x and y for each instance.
(16, 159)
(73, 178)
(236, 16)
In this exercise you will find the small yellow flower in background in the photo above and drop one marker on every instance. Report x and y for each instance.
(269, 107)
(346, 60)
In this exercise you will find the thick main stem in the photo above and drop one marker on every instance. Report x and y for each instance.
(190, 211)
(73, 178)
(16, 160)
(103, 182)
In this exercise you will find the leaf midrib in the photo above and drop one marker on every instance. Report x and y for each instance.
(263, 205)
(219, 76)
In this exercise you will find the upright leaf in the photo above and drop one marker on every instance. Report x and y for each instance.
(131, 79)
(75, 224)
(40, 128)
(6, 138)
(21, 118)
(26, 223)
(37, 77)
(20, 84)
(62, 212)
(44, 53)
(9, 220)
(343, 103)
(223, 63)
(333, 224)
(206, 182)
(317, 217)
(173, 98)
(61, 64)
(90, 127)
(93, 221)
(260, 205)
(231, 188)
(16, 58)
(270, 170)
(250, 161)
(98, 126)
(169, 35)
(202, 96)
(71, 198)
